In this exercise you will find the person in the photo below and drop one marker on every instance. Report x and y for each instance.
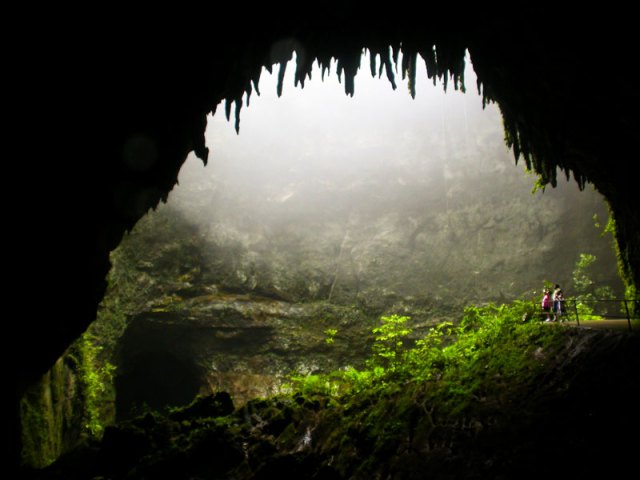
(546, 303)
(556, 301)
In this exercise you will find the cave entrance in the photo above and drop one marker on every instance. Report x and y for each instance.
(328, 211)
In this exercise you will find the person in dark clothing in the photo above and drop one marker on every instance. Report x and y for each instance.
(556, 298)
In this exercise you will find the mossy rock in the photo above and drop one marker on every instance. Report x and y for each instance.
(210, 406)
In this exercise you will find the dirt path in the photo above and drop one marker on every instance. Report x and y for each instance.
(612, 324)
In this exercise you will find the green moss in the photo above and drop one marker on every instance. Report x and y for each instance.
(97, 383)
(46, 412)
(72, 402)
(624, 270)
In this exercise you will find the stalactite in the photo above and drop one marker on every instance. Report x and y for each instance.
(459, 77)
(200, 148)
(256, 82)
(481, 92)
(227, 108)
(443, 62)
(238, 108)
(249, 91)
(395, 53)
(303, 69)
(349, 65)
(405, 63)
(299, 71)
(429, 57)
(410, 67)
(324, 62)
(389, 69)
(325, 70)
(349, 84)
(281, 72)
(449, 64)
(522, 141)
(372, 63)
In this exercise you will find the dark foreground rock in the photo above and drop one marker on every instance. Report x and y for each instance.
(576, 420)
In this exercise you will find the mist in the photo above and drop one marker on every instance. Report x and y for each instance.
(324, 196)
(328, 211)
(318, 138)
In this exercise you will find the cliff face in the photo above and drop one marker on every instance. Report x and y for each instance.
(238, 343)
(51, 413)
(233, 284)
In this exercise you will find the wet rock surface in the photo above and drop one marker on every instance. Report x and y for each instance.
(236, 287)
(575, 418)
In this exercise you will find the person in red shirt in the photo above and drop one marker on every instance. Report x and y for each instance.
(546, 304)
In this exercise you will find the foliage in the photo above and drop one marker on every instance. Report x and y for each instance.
(424, 394)
(459, 362)
(389, 342)
(331, 333)
(442, 378)
(630, 291)
(94, 350)
(312, 384)
(582, 281)
(539, 184)
(97, 381)
(72, 401)
(588, 295)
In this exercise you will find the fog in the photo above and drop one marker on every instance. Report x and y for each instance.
(329, 211)
(317, 137)
(324, 196)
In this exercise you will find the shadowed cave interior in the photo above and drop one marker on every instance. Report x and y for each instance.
(155, 379)
(130, 122)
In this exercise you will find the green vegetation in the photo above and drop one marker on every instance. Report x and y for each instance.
(412, 397)
(389, 341)
(630, 292)
(45, 412)
(156, 270)
(76, 398)
(71, 402)
(429, 387)
(584, 284)
(331, 333)
(97, 383)
(590, 298)
(460, 363)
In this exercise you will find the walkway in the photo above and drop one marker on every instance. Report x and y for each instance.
(609, 314)
(611, 324)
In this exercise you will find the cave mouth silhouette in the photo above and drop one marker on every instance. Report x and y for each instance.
(156, 380)
(530, 57)
(132, 389)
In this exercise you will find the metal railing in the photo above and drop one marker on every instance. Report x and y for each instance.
(597, 309)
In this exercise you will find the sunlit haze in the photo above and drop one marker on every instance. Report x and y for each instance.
(319, 135)
(379, 192)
